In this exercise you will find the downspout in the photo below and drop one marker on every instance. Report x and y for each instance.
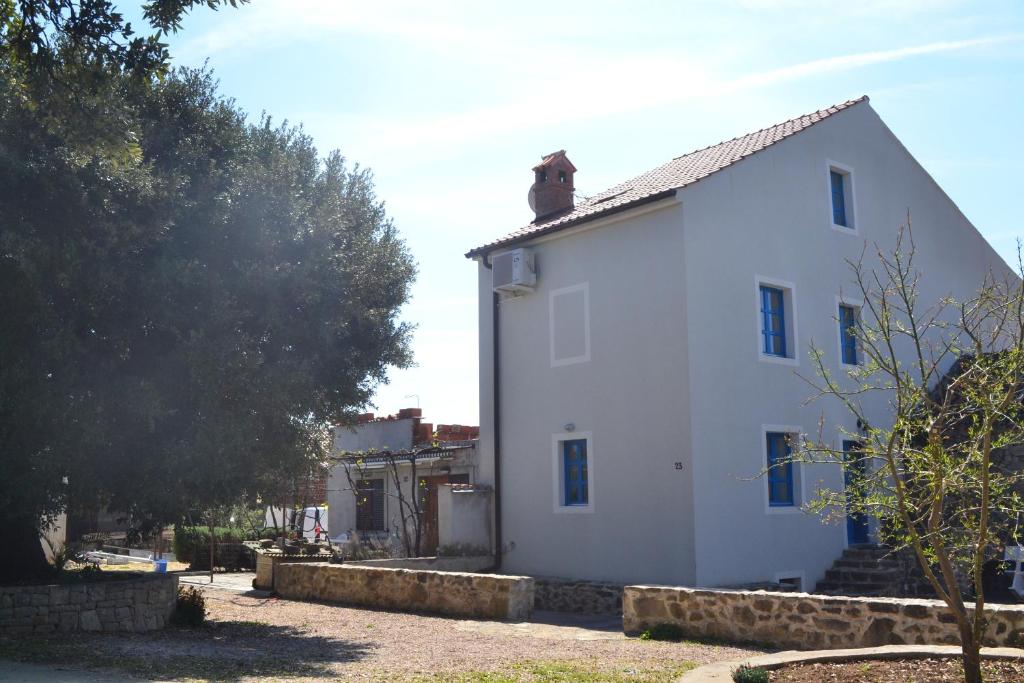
(496, 402)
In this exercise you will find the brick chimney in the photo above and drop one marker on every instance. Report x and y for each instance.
(552, 188)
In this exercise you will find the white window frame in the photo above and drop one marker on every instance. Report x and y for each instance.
(558, 484)
(795, 574)
(799, 494)
(850, 196)
(585, 358)
(789, 303)
(857, 304)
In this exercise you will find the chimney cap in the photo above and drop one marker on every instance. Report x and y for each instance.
(552, 159)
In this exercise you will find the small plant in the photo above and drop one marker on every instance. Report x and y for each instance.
(190, 609)
(63, 557)
(670, 632)
(463, 550)
(750, 674)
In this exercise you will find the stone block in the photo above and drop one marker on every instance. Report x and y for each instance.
(89, 621)
(59, 595)
(68, 621)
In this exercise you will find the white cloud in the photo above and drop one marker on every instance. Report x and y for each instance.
(639, 84)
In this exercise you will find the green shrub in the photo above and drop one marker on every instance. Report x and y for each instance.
(750, 674)
(190, 610)
(193, 541)
(670, 632)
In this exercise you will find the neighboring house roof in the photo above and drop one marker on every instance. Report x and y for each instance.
(663, 181)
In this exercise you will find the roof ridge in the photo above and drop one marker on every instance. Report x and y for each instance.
(615, 190)
(664, 180)
(832, 109)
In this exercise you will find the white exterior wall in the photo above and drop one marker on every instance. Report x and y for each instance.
(464, 519)
(674, 372)
(630, 399)
(384, 435)
(770, 216)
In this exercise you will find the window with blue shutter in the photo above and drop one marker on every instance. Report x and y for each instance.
(773, 321)
(780, 470)
(838, 198)
(854, 475)
(848, 333)
(574, 472)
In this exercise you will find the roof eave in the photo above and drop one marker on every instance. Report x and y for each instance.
(657, 197)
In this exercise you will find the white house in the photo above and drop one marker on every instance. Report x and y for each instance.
(639, 358)
(377, 457)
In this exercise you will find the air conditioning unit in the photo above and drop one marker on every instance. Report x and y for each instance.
(513, 271)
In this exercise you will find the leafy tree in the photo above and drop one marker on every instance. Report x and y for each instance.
(189, 298)
(951, 373)
(37, 34)
(63, 57)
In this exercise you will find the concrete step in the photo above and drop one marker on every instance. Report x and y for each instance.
(864, 553)
(838, 588)
(858, 576)
(844, 563)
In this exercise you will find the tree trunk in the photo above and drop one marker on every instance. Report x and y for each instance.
(213, 545)
(24, 558)
(971, 657)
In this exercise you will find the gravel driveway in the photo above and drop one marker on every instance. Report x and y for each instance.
(252, 638)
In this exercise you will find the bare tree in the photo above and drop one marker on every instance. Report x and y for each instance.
(950, 373)
(411, 512)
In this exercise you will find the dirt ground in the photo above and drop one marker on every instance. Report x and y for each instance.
(912, 671)
(249, 639)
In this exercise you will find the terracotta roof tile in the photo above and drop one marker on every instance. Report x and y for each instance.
(667, 178)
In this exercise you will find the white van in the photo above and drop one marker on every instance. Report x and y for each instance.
(311, 521)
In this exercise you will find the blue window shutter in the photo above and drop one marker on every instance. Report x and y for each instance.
(780, 470)
(838, 199)
(773, 321)
(848, 333)
(854, 473)
(574, 472)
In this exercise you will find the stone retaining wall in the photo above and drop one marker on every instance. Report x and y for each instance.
(267, 564)
(137, 603)
(581, 597)
(467, 563)
(488, 596)
(802, 621)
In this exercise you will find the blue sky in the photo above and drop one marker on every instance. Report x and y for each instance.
(452, 103)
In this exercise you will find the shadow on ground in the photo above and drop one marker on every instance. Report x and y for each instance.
(219, 651)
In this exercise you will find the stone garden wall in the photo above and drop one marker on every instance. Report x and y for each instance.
(142, 603)
(266, 564)
(461, 563)
(582, 597)
(806, 622)
(488, 596)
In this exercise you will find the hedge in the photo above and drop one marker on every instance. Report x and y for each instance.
(190, 541)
